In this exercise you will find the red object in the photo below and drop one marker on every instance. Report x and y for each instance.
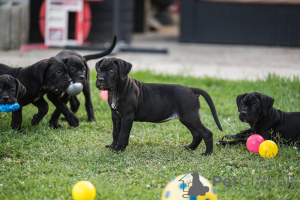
(84, 25)
(253, 142)
(28, 47)
(104, 95)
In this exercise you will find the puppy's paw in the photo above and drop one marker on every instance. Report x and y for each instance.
(110, 146)
(189, 148)
(36, 119)
(54, 125)
(91, 119)
(73, 121)
(206, 154)
(119, 148)
(226, 137)
(222, 143)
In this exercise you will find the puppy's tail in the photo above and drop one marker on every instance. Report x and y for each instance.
(104, 53)
(209, 101)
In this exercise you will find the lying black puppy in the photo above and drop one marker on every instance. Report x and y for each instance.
(79, 72)
(131, 100)
(46, 75)
(10, 89)
(257, 110)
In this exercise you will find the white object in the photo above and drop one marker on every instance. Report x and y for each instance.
(74, 89)
(57, 17)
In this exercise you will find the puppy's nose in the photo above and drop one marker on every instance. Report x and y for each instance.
(244, 113)
(5, 97)
(101, 79)
(81, 77)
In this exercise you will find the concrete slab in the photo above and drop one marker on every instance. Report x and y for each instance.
(234, 62)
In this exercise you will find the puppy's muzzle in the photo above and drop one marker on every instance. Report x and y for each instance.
(5, 98)
(243, 116)
(81, 77)
(100, 80)
(99, 83)
(243, 113)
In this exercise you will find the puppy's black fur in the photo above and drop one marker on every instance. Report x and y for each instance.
(131, 100)
(10, 89)
(46, 75)
(79, 72)
(257, 110)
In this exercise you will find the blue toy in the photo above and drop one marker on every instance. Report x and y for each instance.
(9, 107)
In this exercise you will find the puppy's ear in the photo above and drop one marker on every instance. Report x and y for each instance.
(21, 90)
(39, 70)
(65, 60)
(266, 103)
(98, 64)
(239, 99)
(124, 68)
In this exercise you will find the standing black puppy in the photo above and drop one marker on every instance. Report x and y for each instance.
(131, 100)
(46, 75)
(10, 89)
(257, 110)
(79, 72)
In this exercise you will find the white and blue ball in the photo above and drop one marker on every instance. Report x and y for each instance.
(175, 189)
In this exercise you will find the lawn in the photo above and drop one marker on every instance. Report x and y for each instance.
(44, 163)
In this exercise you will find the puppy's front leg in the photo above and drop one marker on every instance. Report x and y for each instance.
(240, 138)
(43, 108)
(69, 115)
(126, 124)
(116, 119)
(241, 134)
(17, 119)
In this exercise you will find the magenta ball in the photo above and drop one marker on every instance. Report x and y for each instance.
(253, 142)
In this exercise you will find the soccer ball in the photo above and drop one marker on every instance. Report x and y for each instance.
(183, 187)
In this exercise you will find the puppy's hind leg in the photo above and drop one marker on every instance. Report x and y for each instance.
(199, 132)
(43, 108)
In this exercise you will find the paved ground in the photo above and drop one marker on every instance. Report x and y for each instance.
(233, 62)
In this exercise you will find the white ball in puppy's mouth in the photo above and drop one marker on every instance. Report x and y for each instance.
(74, 89)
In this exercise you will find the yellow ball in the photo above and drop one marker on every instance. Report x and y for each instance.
(268, 149)
(180, 187)
(83, 190)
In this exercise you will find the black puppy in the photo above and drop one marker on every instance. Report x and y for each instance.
(257, 110)
(10, 89)
(131, 100)
(46, 75)
(79, 72)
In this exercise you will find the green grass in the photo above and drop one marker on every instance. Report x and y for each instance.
(44, 163)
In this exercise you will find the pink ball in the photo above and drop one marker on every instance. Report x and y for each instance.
(253, 142)
(104, 95)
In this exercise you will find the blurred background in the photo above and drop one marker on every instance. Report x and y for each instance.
(211, 34)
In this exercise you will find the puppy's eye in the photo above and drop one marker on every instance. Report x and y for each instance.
(59, 72)
(12, 89)
(72, 69)
(111, 72)
(98, 70)
(254, 106)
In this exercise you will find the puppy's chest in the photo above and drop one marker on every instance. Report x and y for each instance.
(114, 105)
